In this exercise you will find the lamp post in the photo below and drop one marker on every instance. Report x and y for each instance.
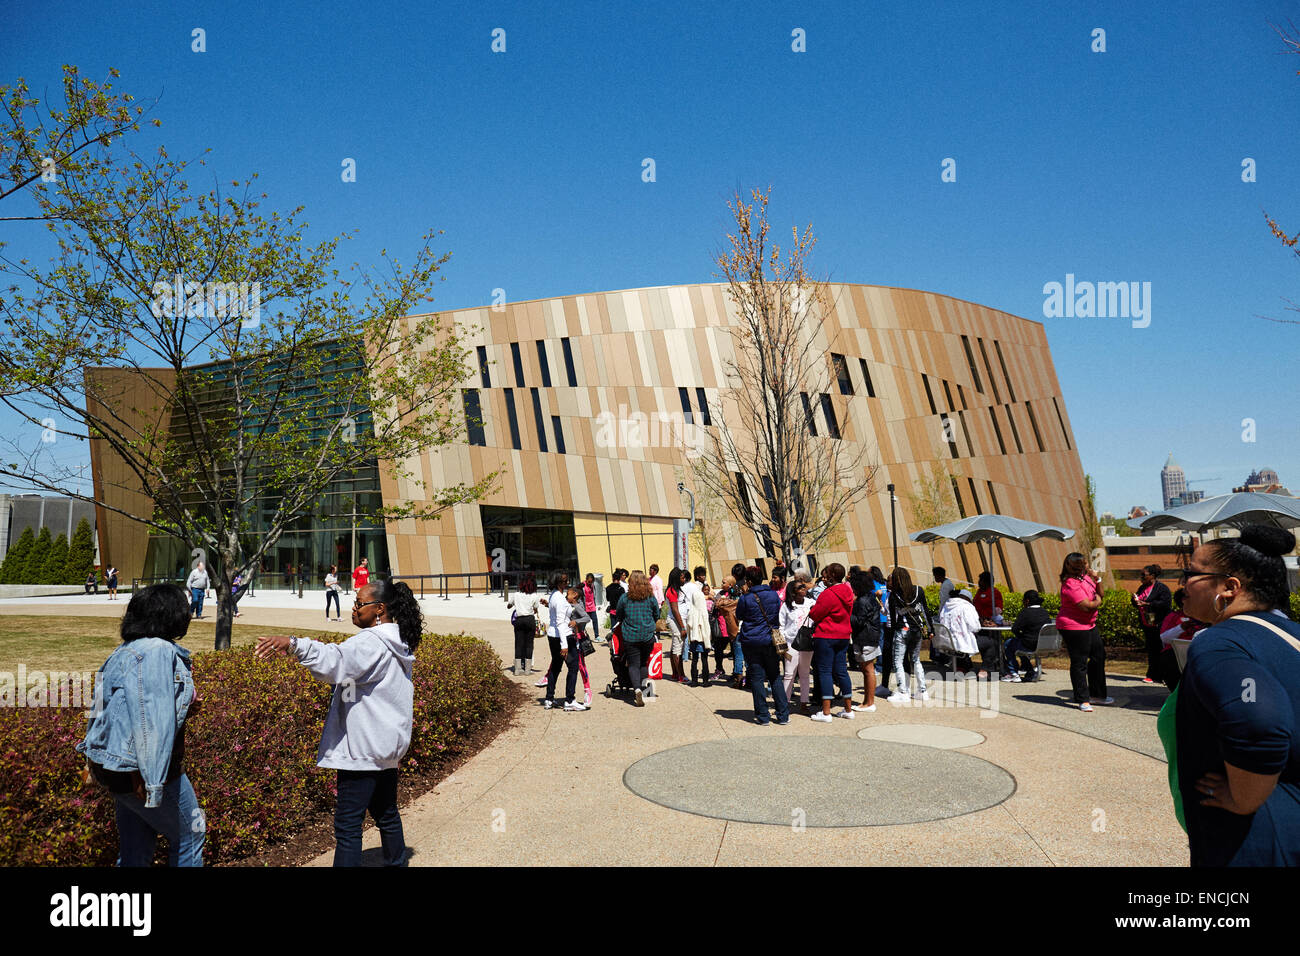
(893, 521)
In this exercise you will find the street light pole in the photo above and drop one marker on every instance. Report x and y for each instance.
(893, 522)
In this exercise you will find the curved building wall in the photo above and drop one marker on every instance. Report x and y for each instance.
(928, 357)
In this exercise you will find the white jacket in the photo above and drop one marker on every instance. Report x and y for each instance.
(963, 622)
(697, 624)
(369, 723)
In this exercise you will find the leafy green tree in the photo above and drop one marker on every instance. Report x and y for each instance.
(33, 569)
(15, 563)
(81, 554)
(233, 369)
(56, 562)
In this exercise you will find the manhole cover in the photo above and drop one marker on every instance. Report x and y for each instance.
(819, 782)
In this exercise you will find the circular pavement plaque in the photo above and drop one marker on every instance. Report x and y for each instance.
(830, 781)
(924, 735)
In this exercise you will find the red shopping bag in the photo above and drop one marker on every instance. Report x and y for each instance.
(656, 668)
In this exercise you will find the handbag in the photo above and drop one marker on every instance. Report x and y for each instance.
(803, 641)
(586, 647)
(778, 638)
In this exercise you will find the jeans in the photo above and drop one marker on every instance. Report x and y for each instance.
(738, 666)
(332, 595)
(801, 663)
(178, 818)
(830, 659)
(572, 659)
(1010, 651)
(699, 659)
(196, 601)
(635, 655)
(525, 634)
(886, 658)
(359, 791)
(595, 624)
(907, 650)
(763, 663)
(1087, 663)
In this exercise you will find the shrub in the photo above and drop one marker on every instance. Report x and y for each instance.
(250, 752)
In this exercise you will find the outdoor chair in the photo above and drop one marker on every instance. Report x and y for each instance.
(1049, 641)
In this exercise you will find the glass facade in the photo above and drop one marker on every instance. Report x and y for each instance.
(531, 538)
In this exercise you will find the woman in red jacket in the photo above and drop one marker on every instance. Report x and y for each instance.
(831, 616)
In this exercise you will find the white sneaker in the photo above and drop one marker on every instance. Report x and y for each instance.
(864, 710)
(548, 704)
(588, 701)
(1102, 700)
(846, 714)
(640, 698)
(574, 705)
(900, 700)
(923, 695)
(822, 718)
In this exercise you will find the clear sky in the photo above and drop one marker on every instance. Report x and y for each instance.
(1123, 165)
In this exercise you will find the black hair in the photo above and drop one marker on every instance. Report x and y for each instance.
(877, 575)
(1178, 598)
(160, 610)
(753, 575)
(778, 573)
(738, 571)
(789, 592)
(675, 577)
(833, 572)
(939, 573)
(860, 581)
(1032, 597)
(559, 580)
(985, 580)
(1154, 570)
(1256, 558)
(1075, 565)
(701, 572)
(403, 609)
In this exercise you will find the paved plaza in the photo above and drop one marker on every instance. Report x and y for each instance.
(984, 774)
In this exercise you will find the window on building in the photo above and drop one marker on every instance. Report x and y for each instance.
(1015, 432)
(543, 364)
(541, 422)
(1011, 389)
(512, 417)
(970, 446)
(842, 374)
(1065, 432)
(808, 414)
(745, 509)
(866, 378)
(832, 424)
(1033, 421)
(484, 374)
(568, 362)
(947, 391)
(703, 400)
(956, 496)
(984, 354)
(474, 417)
(929, 394)
(559, 434)
(949, 433)
(997, 429)
(974, 496)
(970, 360)
(961, 396)
(519, 364)
(688, 416)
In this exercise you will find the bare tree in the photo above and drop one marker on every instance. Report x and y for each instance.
(932, 501)
(790, 485)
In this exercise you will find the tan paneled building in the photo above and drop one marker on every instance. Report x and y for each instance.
(922, 369)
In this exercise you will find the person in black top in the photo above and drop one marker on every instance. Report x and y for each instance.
(615, 591)
(1024, 637)
(1153, 602)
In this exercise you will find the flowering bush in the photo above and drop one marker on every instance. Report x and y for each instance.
(250, 752)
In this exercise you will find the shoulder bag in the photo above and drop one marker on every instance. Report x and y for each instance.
(778, 639)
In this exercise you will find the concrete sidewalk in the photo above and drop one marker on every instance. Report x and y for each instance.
(1031, 781)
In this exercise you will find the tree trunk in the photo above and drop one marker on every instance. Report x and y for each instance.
(225, 606)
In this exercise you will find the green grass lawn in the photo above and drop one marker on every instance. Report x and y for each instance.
(79, 644)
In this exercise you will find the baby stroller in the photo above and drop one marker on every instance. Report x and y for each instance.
(622, 683)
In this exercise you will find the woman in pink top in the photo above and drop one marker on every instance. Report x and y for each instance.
(589, 605)
(1077, 622)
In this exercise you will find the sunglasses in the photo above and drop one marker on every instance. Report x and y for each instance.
(365, 604)
(1188, 574)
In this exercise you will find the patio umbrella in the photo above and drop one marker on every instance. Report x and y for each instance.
(990, 528)
(1231, 511)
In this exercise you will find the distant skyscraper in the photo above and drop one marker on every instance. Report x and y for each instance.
(1173, 481)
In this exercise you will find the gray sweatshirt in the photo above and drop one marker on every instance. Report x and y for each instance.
(369, 723)
(197, 579)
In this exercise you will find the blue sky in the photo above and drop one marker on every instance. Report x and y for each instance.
(1115, 166)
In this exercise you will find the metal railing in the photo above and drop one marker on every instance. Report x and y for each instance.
(494, 582)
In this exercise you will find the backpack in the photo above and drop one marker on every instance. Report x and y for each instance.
(917, 616)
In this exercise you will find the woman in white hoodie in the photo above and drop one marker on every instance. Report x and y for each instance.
(368, 728)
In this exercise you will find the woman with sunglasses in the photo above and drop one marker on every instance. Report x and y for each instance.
(368, 728)
(1077, 622)
(1235, 765)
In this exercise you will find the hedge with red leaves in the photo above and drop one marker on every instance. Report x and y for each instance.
(250, 752)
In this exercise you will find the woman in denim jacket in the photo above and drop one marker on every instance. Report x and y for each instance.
(136, 740)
